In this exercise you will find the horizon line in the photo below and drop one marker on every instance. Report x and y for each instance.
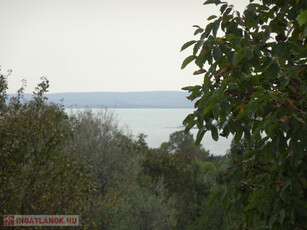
(149, 91)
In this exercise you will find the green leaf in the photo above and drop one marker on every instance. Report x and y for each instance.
(208, 29)
(189, 122)
(228, 11)
(199, 137)
(217, 54)
(272, 220)
(223, 8)
(287, 182)
(214, 133)
(251, 204)
(270, 93)
(272, 70)
(188, 88)
(199, 72)
(222, 194)
(267, 61)
(202, 57)
(284, 196)
(216, 2)
(187, 61)
(197, 47)
(282, 215)
(248, 52)
(230, 36)
(232, 58)
(196, 26)
(296, 188)
(249, 18)
(224, 48)
(211, 17)
(281, 49)
(198, 31)
(216, 110)
(187, 44)
(238, 207)
(212, 199)
(216, 27)
(302, 17)
(238, 135)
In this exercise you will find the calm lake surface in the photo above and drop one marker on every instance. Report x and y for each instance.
(158, 124)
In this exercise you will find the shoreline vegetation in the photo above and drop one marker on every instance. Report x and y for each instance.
(86, 164)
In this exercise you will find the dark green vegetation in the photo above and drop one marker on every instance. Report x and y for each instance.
(155, 99)
(255, 88)
(86, 165)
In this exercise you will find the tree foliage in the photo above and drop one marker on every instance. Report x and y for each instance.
(82, 164)
(125, 198)
(254, 68)
(39, 173)
(183, 144)
(189, 178)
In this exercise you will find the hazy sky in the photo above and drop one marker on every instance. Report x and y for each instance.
(100, 45)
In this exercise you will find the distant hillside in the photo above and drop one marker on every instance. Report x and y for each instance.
(155, 99)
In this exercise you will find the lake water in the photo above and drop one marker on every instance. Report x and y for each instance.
(158, 124)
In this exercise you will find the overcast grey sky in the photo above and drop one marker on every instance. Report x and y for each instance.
(100, 45)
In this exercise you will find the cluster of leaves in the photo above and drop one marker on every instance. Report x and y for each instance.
(39, 173)
(190, 178)
(182, 144)
(125, 198)
(254, 87)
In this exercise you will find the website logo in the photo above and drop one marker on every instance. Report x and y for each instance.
(41, 220)
(9, 220)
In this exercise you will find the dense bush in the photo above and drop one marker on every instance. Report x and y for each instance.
(39, 173)
(125, 198)
(191, 176)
